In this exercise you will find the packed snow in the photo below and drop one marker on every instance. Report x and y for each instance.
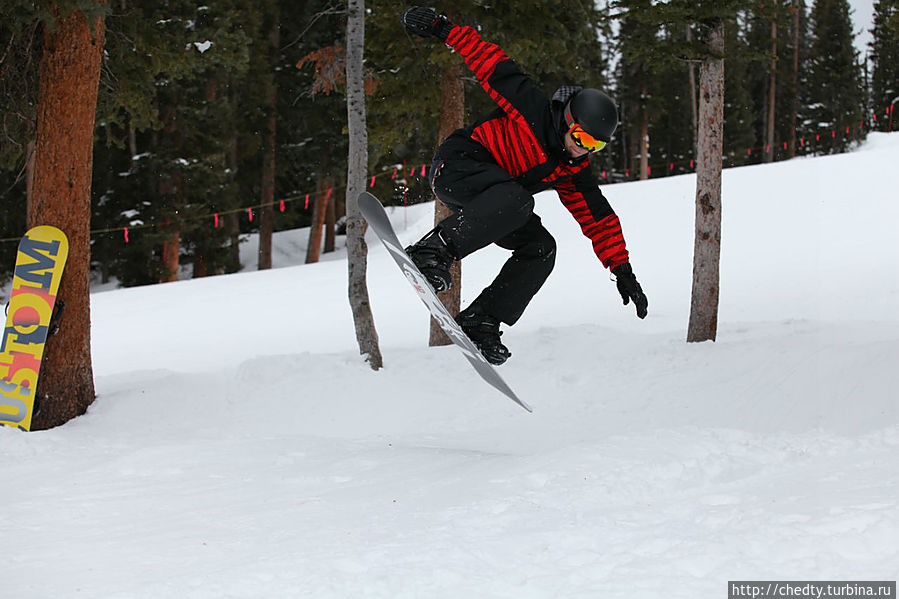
(240, 446)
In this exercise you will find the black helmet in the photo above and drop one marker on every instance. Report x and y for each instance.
(594, 111)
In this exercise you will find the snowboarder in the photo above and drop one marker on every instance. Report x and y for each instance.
(486, 175)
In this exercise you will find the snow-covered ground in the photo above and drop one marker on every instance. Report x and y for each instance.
(240, 447)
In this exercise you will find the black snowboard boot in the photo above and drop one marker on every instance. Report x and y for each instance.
(433, 257)
(483, 330)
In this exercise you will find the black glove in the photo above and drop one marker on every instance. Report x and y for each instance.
(629, 288)
(427, 23)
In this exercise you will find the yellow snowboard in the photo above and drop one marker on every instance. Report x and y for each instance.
(39, 263)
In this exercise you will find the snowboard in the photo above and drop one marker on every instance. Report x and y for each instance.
(39, 263)
(376, 216)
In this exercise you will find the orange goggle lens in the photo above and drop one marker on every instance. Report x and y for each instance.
(584, 140)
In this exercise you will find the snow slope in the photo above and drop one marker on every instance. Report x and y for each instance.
(239, 446)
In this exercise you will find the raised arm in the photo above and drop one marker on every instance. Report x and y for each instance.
(498, 74)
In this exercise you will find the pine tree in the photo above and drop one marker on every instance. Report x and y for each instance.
(798, 58)
(885, 61)
(833, 94)
(168, 120)
(709, 19)
(778, 67)
(740, 112)
(703, 325)
(313, 115)
(672, 130)
(20, 38)
(198, 113)
(639, 92)
(775, 56)
(269, 59)
(69, 72)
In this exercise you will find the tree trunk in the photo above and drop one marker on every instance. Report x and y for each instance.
(794, 83)
(69, 75)
(330, 225)
(452, 115)
(132, 142)
(357, 170)
(204, 262)
(171, 254)
(269, 145)
(707, 246)
(772, 93)
(201, 265)
(231, 222)
(171, 188)
(644, 142)
(635, 114)
(319, 209)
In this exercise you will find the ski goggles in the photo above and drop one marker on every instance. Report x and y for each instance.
(582, 139)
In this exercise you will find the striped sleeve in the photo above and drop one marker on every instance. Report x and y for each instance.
(480, 56)
(597, 220)
(498, 74)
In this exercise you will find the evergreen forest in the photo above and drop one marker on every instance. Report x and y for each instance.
(224, 118)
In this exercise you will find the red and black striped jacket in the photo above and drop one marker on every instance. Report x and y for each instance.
(524, 137)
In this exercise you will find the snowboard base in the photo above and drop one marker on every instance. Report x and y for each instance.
(376, 216)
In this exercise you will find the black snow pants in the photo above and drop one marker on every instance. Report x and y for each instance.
(489, 206)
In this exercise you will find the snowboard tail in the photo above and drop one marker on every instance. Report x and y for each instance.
(376, 216)
(40, 261)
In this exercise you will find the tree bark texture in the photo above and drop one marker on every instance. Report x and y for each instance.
(269, 145)
(357, 171)
(703, 324)
(69, 74)
(452, 115)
